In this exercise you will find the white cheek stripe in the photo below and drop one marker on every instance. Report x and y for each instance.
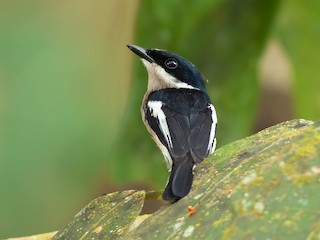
(212, 139)
(164, 76)
(157, 73)
(156, 112)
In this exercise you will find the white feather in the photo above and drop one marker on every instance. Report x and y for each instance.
(156, 112)
(212, 140)
(158, 78)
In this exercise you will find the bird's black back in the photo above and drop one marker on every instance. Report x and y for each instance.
(184, 101)
(189, 121)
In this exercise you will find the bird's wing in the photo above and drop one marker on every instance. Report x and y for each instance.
(202, 134)
(183, 133)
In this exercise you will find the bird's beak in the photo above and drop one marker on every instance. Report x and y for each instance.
(141, 52)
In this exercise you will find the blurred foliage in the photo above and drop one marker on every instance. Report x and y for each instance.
(69, 116)
(298, 28)
(61, 69)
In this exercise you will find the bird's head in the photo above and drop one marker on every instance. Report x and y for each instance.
(168, 70)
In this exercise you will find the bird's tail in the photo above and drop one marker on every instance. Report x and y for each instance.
(180, 180)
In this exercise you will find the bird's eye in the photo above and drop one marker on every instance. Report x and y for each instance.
(171, 63)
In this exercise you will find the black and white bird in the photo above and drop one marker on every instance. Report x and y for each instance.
(179, 115)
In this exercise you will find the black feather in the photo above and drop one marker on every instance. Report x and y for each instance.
(180, 180)
(189, 121)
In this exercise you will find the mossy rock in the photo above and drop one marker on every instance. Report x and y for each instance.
(266, 186)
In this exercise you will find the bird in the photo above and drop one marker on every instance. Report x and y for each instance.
(178, 113)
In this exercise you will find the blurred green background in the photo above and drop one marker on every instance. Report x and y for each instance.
(70, 91)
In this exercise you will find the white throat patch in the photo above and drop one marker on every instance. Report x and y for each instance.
(158, 78)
